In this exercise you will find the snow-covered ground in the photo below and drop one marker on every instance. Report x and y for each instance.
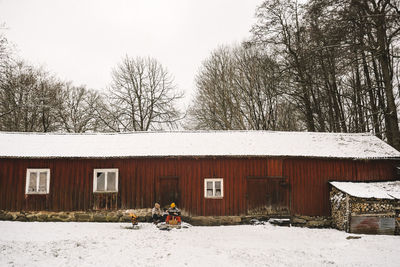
(107, 244)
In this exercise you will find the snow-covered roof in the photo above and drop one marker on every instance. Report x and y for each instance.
(195, 143)
(382, 190)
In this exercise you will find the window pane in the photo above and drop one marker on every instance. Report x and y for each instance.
(43, 182)
(101, 181)
(209, 192)
(210, 185)
(32, 182)
(111, 181)
(218, 185)
(218, 192)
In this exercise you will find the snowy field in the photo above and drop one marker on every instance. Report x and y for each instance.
(107, 244)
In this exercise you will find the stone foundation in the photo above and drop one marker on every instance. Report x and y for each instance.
(144, 215)
(311, 221)
(76, 216)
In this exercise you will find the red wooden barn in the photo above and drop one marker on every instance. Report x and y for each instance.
(205, 173)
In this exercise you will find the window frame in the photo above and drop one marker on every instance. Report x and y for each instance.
(106, 171)
(37, 171)
(213, 180)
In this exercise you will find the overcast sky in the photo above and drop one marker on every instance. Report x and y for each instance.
(82, 41)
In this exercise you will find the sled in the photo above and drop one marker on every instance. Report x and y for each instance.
(131, 227)
(173, 220)
(279, 221)
(256, 222)
(167, 227)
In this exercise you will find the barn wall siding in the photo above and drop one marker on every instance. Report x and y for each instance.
(309, 179)
(71, 182)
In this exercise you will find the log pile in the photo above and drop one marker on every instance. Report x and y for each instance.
(343, 206)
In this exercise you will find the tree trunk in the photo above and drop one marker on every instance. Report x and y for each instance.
(372, 100)
(392, 127)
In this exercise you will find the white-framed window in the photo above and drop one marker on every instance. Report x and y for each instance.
(213, 187)
(105, 180)
(37, 181)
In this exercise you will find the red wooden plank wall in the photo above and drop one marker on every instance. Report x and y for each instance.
(308, 179)
(71, 182)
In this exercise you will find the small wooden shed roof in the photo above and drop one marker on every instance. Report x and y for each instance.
(195, 143)
(381, 190)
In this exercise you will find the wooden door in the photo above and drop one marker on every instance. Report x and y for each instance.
(168, 191)
(267, 196)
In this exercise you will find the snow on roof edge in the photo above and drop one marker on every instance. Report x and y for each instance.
(212, 143)
(372, 189)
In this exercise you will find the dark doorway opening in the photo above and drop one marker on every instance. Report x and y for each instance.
(168, 190)
(267, 195)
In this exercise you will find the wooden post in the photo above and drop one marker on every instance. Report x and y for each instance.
(347, 213)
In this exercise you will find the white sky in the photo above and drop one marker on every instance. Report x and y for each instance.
(82, 41)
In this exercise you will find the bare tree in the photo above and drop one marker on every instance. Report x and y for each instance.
(142, 97)
(5, 51)
(216, 105)
(384, 16)
(28, 99)
(78, 111)
(5, 54)
(259, 84)
(339, 58)
(240, 88)
(280, 28)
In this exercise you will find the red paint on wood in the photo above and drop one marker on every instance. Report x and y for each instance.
(71, 182)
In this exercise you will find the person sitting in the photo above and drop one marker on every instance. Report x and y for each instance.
(174, 214)
(157, 213)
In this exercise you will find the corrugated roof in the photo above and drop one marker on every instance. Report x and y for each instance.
(381, 190)
(195, 143)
